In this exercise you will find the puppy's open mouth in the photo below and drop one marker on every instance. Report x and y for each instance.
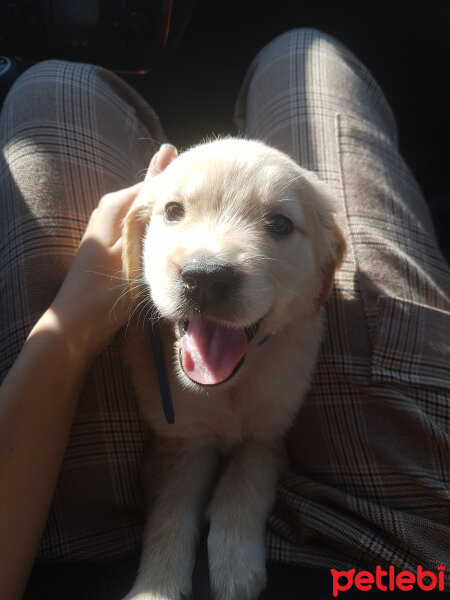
(211, 353)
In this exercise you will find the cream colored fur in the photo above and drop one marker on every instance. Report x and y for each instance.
(222, 457)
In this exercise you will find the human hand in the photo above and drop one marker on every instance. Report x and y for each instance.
(91, 305)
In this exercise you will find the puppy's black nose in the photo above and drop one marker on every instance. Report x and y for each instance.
(204, 281)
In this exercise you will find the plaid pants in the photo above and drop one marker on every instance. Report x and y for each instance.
(369, 479)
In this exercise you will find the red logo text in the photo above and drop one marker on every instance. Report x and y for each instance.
(389, 579)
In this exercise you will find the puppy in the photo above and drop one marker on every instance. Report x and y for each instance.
(233, 248)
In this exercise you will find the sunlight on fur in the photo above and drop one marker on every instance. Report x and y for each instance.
(231, 253)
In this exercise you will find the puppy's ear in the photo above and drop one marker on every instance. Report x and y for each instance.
(330, 244)
(332, 262)
(133, 232)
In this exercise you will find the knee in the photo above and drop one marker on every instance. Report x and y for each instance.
(301, 37)
(308, 62)
(43, 85)
(53, 70)
(301, 45)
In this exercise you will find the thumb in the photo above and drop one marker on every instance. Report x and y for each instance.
(161, 159)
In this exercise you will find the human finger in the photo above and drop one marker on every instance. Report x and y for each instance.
(161, 159)
(105, 222)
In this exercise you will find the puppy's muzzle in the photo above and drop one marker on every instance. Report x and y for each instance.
(211, 348)
(205, 282)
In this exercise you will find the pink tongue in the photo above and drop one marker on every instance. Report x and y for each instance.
(210, 352)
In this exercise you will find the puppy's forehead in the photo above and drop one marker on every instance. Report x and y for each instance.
(241, 181)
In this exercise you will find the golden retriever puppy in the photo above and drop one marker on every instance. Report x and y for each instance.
(233, 247)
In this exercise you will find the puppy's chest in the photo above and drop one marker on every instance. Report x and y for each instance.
(218, 417)
(222, 418)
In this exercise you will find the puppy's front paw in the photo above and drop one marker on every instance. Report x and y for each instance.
(237, 565)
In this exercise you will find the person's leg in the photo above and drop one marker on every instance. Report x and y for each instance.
(370, 475)
(71, 133)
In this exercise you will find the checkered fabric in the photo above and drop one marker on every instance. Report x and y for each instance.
(71, 133)
(369, 481)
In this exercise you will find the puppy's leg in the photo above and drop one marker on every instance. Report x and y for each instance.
(184, 480)
(238, 514)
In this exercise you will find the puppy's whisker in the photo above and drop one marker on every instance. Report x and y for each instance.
(251, 259)
(136, 274)
(154, 320)
(146, 301)
(151, 316)
(134, 284)
(270, 258)
(142, 302)
(140, 175)
(128, 289)
(119, 299)
(123, 284)
(145, 306)
(158, 143)
(137, 302)
(289, 182)
(136, 297)
(109, 275)
(295, 293)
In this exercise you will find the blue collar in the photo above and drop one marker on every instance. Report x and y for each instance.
(161, 373)
(264, 340)
(163, 381)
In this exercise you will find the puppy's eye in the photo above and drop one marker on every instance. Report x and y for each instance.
(174, 212)
(278, 224)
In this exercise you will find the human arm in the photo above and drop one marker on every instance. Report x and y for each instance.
(39, 396)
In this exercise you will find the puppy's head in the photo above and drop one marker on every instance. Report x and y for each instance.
(234, 241)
